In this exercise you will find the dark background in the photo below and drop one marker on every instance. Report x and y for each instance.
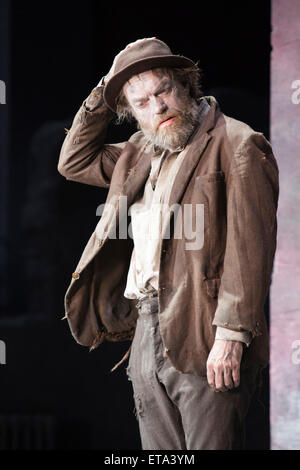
(54, 393)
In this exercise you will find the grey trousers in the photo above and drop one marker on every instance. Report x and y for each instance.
(176, 410)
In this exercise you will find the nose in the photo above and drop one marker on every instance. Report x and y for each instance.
(158, 105)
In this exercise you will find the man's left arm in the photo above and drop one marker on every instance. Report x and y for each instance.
(252, 197)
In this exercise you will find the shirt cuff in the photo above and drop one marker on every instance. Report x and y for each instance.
(231, 335)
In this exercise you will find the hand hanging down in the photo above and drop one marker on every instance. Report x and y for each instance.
(223, 365)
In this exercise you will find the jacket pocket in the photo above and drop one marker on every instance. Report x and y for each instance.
(216, 176)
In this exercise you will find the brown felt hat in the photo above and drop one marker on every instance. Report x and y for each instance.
(141, 56)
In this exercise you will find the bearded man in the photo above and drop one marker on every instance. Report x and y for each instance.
(195, 310)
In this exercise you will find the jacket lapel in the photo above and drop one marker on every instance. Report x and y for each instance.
(118, 202)
(186, 169)
(195, 149)
(122, 196)
(137, 175)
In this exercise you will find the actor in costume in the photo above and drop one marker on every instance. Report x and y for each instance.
(188, 285)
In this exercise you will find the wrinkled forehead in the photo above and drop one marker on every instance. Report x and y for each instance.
(145, 81)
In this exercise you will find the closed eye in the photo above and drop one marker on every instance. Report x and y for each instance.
(141, 104)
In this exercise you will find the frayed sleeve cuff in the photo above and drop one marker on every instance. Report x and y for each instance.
(231, 335)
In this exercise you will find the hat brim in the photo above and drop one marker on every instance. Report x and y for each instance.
(115, 84)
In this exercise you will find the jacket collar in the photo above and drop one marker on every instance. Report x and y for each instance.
(196, 147)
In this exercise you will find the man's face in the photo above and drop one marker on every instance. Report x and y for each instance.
(164, 110)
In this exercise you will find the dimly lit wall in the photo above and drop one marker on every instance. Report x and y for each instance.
(285, 292)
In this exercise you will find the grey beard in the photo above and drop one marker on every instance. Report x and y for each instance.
(166, 139)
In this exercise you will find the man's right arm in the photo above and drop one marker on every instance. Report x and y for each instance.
(84, 156)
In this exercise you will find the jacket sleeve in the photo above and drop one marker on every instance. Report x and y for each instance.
(252, 197)
(84, 156)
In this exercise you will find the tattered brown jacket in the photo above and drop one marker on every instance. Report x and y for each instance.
(231, 170)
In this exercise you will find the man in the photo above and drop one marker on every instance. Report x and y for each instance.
(193, 308)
